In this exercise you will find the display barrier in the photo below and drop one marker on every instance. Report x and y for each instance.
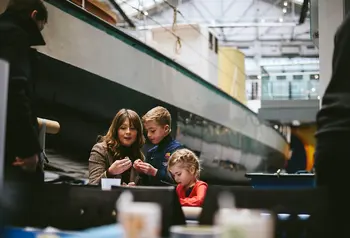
(74, 208)
(297, 212)
(281, 181)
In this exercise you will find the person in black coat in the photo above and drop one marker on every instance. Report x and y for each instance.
(332, 155)
(20, 29)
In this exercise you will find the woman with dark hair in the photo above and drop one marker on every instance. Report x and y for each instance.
(114, 154)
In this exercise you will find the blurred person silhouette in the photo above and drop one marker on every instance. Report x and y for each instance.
(20, 29)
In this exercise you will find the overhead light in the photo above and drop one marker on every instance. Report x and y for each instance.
(303, 216)
(281, 19)
(313, 89)
(318, 97)
(275, 126)
(263, 214)
(283, 216)
(145, 13)
(285, 3)
(296, 123)
(316, 76)
(284, 10)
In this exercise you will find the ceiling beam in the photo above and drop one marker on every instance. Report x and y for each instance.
(122, 13)
(226, 25)
(228, 8)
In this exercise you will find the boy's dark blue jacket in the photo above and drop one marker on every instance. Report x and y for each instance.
(158, 157)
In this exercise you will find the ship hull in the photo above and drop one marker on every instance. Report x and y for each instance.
(90, 70)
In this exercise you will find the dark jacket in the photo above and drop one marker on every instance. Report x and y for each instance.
(100, 160)
(158, 157)
(17, 35)
(334, 116)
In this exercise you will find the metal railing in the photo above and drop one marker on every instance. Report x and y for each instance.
(289, 90)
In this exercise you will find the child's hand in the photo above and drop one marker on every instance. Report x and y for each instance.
(136, 165)
(148, 169)
(131, 184)
(137, 162)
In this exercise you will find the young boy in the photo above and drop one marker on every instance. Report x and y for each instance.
(157, 123)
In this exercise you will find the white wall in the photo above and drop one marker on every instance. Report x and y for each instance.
(213, 65)
(330, 17)
(254, 105)
(194, 52)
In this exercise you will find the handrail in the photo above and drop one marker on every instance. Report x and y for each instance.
(46, 127)
(52, 127)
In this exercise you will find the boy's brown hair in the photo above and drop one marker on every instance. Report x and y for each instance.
(158, 114)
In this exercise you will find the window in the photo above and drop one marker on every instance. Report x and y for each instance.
(281, 77)
(210, 41)
(216, 45)
(253, 77)
(254, 95)
(298, 77)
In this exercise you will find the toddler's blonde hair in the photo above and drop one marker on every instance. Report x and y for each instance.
(187, 159)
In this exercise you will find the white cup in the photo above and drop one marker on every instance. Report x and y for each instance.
(195, 232)
(107, 183)
(140, 220)
(245, 223)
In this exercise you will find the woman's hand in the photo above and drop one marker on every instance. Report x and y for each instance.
(119, 166)
(146, 168)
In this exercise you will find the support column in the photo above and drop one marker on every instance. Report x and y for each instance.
(4, 74)
(330, 16)
(257, 59)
